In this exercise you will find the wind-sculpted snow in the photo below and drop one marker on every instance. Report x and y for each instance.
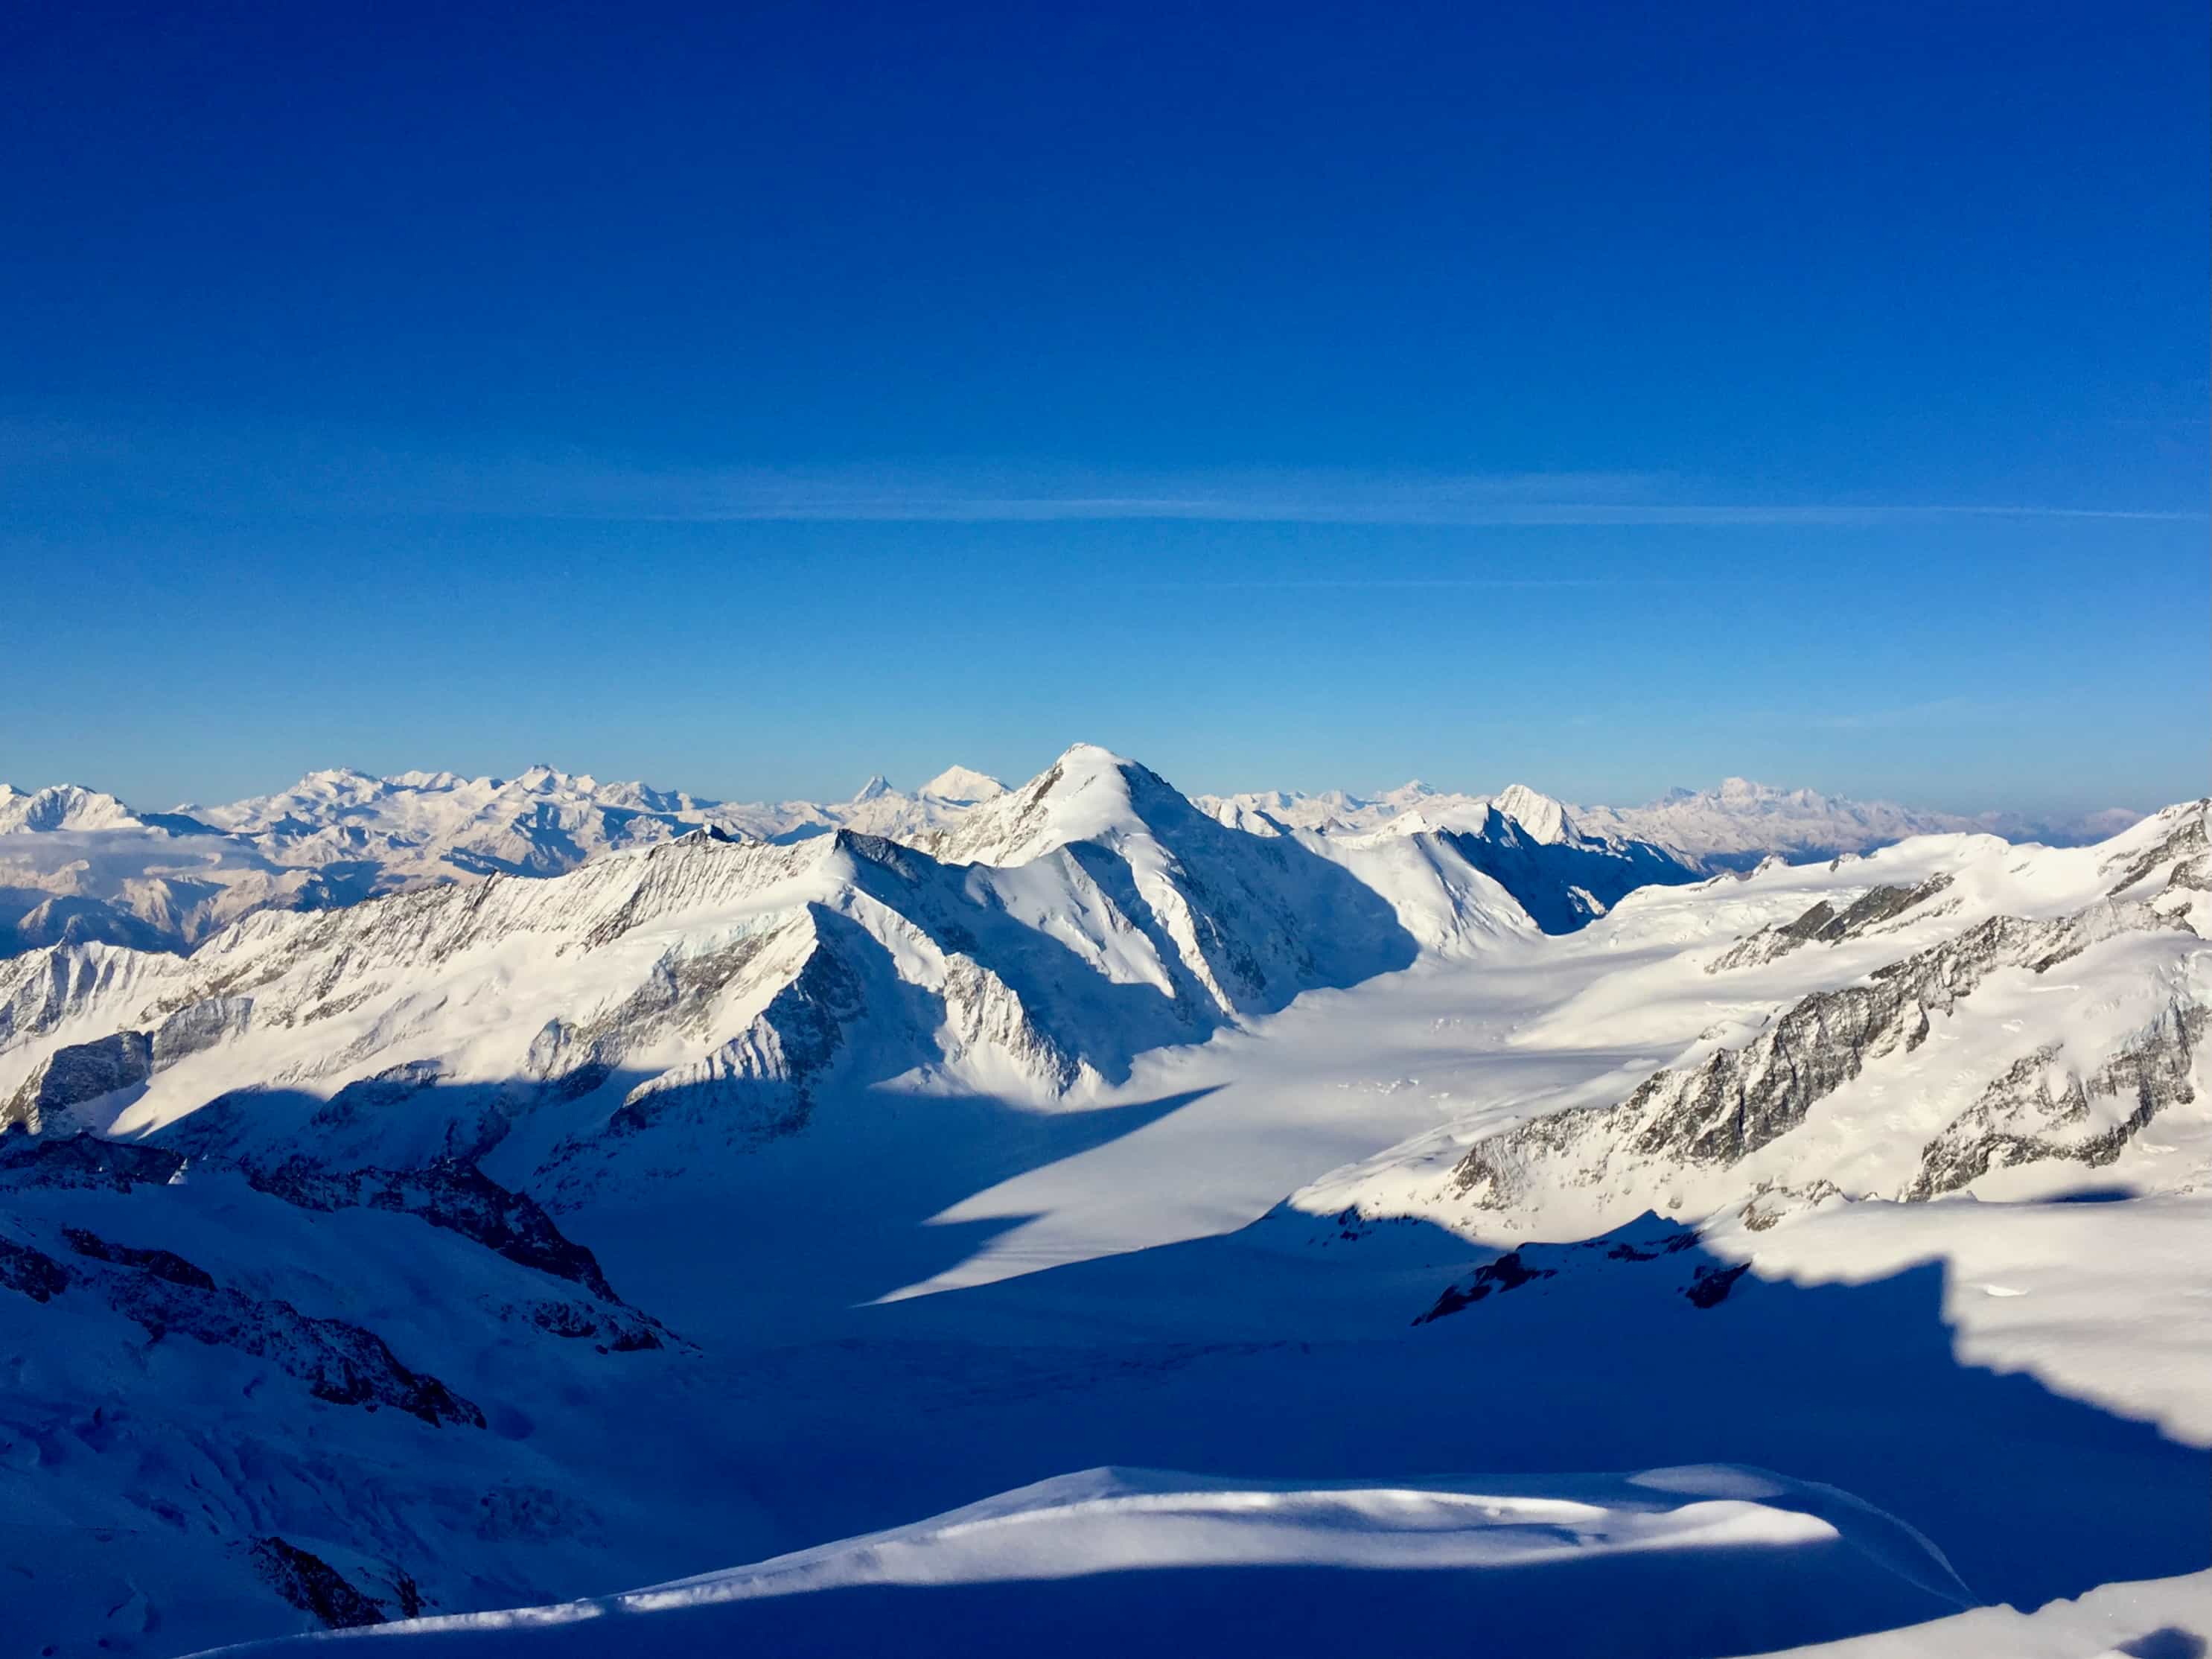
(310, 1240)
(1114, 1560)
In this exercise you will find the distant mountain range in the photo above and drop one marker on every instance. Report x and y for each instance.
(1732, 827)
(566, 1217)
(79, 865)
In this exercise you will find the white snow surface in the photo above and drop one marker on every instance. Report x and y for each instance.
(77, 864)
(1740, 1542)
(1095, 1133)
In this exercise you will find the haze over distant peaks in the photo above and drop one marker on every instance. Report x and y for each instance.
(77, 864)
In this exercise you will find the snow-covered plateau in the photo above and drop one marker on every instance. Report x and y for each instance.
(466, 1202)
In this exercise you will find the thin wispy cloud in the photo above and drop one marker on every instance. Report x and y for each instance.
(62, 462)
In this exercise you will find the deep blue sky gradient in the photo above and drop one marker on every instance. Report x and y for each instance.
(753, 398)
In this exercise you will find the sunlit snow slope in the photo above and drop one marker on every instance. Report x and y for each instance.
(498, 1243)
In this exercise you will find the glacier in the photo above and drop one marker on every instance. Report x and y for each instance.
(1479, 1205)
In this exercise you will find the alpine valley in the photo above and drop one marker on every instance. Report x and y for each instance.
(1078, 1215)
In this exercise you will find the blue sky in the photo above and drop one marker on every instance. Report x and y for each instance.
(751, 398)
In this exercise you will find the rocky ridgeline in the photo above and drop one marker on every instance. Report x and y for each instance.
(1716, 1114)
(337, 1362)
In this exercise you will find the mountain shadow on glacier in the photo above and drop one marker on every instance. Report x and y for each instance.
(1285, 1364)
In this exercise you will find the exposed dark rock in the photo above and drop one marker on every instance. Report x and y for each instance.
(338, 1362)
(1508, 1273)
(162, 1264)
(452, 1194)
(32, 1271)
(1823, 924)
(1710, 1286)
(199, 1025)
(80, 1071)
(312, 1585)
(617, 1330)
(84, 1160)
(1738, 1100)
(2187, 841)
(2020, 1117)
(1628, 1249)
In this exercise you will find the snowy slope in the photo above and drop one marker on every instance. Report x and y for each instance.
(705, 994)
(76, 865)
(1952, 1015)
(1111, 1559)
(491, 1244)
(1733, 826)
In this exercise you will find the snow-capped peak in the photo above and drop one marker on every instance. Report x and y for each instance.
(962, 786)
(1542, 818)
(875, 788)
(62, 806)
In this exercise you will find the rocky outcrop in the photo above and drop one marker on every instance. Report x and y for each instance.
(1823, 924)
(28, 1271)
(197, 1026)
(1646, 1240)
(1738, 1100)
(167, 1294)
(85, 1160)
(164, 1265)
(338, 1362)
(2184, 841)
(2040, 1111)
(80, 1073)
(1508, 1273)
(451, 1194)
(312, 1585)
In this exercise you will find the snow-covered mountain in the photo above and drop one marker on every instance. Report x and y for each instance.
(709, 989)
(489, 1243)
(76, 865)
(1949, 1015)
(1731, 827)
(1739, 823)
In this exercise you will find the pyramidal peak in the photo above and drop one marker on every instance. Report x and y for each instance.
(1542, 817)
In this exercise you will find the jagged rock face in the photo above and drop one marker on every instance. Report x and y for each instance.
(199, 1026)
(78, 1073)
(453, 1195)
(2040, 1111)
(86, 1161)
(1632, 1250)
(1564, 880)
(335, 1361)
(312, 1585)
(1741, 1100)
(1823, 924)
(41, 992)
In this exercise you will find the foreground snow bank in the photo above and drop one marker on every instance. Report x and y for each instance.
(1696, 1561)
(2155, 1618)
